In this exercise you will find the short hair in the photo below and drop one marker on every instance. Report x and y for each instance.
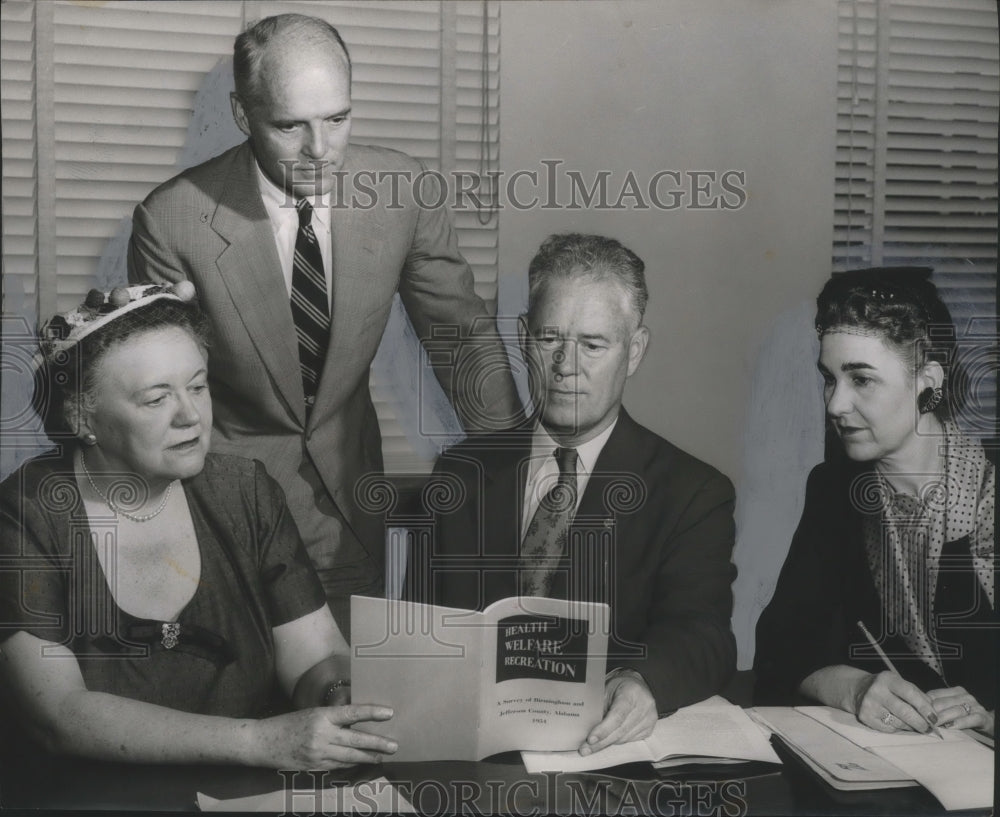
(571, 255)
(251, 46)
(66, 380)
(903, 307)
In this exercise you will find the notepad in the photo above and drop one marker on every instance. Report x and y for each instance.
(956, 769)
(958, 773)
(848, 726)
(840, 763)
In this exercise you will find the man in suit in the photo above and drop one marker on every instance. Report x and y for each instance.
(296, 242)
(587, 504)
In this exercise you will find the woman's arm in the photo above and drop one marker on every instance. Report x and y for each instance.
(65, 717)
(871, 697)
(310, 655)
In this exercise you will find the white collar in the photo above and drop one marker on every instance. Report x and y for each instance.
(542, 446)
(277, 202)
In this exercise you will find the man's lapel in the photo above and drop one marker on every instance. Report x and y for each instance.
(506, 475)
(615, 481)
(251, 270)
(605, 519)
(356, 235)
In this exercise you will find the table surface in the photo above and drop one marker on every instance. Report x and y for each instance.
(496, 785)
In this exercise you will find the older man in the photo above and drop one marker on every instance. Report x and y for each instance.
(297, 268)
(587, 504)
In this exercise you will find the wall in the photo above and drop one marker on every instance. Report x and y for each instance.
(694, 85)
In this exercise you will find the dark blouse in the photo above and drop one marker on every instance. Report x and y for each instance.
(826, 587)
(218, 657)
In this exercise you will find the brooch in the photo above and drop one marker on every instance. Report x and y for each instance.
(171, 634)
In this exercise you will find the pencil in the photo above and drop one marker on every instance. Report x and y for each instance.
(889, 666)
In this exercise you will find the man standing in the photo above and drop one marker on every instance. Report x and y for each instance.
(298, 283)
(589, 505)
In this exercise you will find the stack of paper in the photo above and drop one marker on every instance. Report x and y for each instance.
(711, 731)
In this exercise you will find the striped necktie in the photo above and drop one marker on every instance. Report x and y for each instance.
(545, 540)
(310, 310)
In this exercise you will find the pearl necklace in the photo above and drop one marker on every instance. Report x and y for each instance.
(118, 511)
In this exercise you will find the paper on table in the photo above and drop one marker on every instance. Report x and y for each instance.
(841, 762)
(958, 773)
(713, 728)
(957, 770)
(848, 785)
(847, 725)
(376, 796)
(695, 760)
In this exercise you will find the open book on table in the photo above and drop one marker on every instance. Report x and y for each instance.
(847, 755)
(712, 730)
(526, 673)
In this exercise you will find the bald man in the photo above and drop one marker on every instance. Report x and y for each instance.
(297, 274)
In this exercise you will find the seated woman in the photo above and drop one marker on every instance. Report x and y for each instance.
(899, 535)
(160, 593)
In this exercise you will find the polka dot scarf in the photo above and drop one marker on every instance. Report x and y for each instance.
(904, 542)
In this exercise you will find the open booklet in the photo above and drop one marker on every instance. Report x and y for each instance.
(712, 730)
(955, 768)
(526, 673)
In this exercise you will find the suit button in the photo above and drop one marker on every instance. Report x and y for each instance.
(311, 401)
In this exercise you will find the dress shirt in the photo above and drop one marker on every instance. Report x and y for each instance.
(543, 470)
(284, 217)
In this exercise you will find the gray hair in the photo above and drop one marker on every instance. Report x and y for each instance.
(571, 255)
(251, 46)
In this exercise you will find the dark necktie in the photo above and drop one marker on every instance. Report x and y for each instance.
(310, 309)
(545, 539)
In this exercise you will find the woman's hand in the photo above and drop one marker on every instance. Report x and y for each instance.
(321, 738)
(957, 709)
(629, 713)
(888, 703)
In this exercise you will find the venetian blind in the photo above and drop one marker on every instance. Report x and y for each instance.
(916, 182)
(20, 178)
(118, 81)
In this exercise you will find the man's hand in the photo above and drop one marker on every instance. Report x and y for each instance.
(629, 712)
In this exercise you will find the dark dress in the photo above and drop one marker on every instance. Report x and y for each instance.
(255, 575)
(826, 587)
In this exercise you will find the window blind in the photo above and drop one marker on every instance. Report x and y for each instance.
(916, 178)
(20, 178)
(125, 75)
(118, 82)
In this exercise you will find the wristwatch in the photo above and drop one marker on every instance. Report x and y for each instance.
(331, 690)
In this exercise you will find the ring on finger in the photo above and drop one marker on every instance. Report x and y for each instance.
(967, 708)
(887, 718)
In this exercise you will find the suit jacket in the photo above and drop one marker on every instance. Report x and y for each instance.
(652, 537)
(209, 225)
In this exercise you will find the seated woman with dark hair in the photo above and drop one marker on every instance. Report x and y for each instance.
(899, 535)
(154, 595)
